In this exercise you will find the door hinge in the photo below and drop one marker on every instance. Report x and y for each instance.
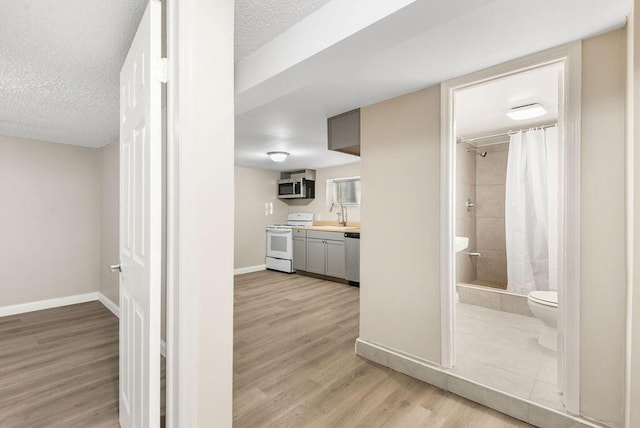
(160, 69)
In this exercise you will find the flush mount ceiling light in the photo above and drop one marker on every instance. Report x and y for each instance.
(528, 111)
(278, 156)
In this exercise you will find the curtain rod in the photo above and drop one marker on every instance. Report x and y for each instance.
(508, 133)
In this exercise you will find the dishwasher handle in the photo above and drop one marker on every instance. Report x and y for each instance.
(354, 235)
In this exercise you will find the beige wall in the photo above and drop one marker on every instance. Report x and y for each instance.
(109, 219)
(400, 270)
(318, 206)
(206, 212)
(49, 220)
(400, 295)
(633, 129)
(602, 247)
(256, 206)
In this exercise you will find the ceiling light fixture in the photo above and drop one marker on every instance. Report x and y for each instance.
(278, 156)
(528, 111)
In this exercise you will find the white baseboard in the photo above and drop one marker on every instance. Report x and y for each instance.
(249, 269)
(47, 304)
(109, 304)
(66, 301)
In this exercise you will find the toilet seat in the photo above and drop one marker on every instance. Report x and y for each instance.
(546, 298)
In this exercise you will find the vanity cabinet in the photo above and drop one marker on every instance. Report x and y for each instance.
(325, 253)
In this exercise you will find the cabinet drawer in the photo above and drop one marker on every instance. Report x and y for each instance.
(301, 233)
(320, 234)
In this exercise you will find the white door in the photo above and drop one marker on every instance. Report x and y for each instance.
(140, 226)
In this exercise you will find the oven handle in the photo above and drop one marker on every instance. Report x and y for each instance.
(280, 232)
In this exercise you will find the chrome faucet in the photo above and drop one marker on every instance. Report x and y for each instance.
(342, 215)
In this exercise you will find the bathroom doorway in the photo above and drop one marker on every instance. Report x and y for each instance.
(510, 154)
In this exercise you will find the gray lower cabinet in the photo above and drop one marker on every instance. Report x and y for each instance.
(299, 249)
(335, 260)
(315, 256)
(299, 253)
(325, 253)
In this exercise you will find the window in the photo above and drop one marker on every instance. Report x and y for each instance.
(344, 190)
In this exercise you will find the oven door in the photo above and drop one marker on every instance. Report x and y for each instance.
(280, 243)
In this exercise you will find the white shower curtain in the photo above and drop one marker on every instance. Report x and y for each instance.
(531, 211)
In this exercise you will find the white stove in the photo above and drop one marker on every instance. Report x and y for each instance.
(280, 241)
(278, 226)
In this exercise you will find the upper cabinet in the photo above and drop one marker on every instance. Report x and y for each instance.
(344, 132)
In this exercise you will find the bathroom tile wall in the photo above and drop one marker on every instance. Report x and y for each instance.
(465, 219)
(491, 174)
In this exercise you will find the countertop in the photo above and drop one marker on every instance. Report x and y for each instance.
(331, 228)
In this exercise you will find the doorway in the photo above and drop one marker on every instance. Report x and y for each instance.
(510, 158)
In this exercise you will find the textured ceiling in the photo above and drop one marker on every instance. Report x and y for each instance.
(60, 65)
(60, 61)
(259, 21)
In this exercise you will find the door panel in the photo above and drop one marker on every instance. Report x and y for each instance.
(140, 226)
(315, 256)
(299, 253)
(335, 259)
(279, 244)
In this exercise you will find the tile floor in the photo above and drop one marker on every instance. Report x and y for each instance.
(500, 350)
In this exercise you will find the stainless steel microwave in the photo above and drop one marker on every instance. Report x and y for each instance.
(296, 188)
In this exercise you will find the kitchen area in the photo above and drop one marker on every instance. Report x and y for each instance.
(297, 220)
(324, 249)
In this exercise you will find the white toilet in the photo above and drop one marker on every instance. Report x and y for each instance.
(544, 305)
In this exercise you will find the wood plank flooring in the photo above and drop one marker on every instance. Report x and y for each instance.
(59, 368)
(295, 365)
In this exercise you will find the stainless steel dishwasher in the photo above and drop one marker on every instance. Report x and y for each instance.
(352, 258)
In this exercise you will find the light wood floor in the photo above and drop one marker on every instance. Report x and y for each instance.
(59, 368)
(295, 366)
